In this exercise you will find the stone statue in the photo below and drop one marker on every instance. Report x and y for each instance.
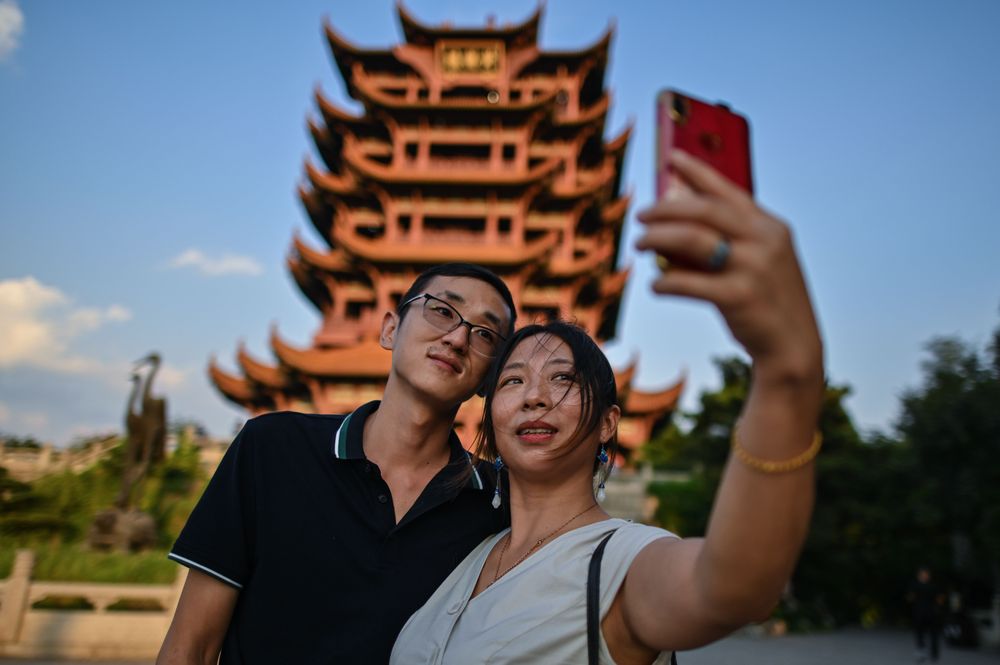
(124, 527)
(145, 431)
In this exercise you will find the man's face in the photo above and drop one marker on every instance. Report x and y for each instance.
(439, 365)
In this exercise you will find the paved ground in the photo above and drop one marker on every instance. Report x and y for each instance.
(851, 647)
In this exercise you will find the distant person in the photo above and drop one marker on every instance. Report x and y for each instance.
(550, 423)
(320, 534)
(927, 600)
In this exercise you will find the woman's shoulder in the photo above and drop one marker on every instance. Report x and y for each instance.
(632, 536)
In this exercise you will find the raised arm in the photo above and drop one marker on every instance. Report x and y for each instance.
(682, 594)
(200, 622)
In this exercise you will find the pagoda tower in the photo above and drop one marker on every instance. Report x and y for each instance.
(473, 144)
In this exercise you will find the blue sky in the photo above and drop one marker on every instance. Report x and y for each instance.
(149, 155)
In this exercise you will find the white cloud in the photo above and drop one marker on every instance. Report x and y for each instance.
(117, 313)
(38, 324)
(226, 264)
(170, 377)
(4, 414)
(11, 27)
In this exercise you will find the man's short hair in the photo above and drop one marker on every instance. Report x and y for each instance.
(461, 270)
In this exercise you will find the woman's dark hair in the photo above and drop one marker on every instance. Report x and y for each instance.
(593, 375)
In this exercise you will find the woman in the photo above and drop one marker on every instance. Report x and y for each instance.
(550, 420)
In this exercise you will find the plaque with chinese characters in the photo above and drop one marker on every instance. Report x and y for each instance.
(470, 58)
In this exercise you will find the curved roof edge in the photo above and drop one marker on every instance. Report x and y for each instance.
(415, 31)
(234, 388)
(368, 360)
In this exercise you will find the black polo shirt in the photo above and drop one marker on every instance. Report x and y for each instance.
(303, 525)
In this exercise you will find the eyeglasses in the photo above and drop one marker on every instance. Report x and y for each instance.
(446, 318)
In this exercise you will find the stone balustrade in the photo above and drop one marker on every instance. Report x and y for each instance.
(102, 632)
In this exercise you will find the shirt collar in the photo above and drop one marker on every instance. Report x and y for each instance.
(348, 443)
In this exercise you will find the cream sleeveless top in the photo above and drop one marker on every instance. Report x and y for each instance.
(536, 613)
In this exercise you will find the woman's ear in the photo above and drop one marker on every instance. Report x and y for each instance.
(387, 336)
(609, 422)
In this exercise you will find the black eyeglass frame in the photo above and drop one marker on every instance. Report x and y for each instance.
(460, 322)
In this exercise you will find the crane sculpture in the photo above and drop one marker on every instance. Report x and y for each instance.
(123, 527)
(145, 430)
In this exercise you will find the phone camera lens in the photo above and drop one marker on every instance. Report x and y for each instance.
(679, 109)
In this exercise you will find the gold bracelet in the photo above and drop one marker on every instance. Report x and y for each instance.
(783, 466)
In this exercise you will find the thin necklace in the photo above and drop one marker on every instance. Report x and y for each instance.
(538, 543)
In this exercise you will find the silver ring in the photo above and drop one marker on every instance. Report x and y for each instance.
(720, 255)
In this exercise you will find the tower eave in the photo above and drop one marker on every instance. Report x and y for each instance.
(236, 389)
(333, 261)
(588, 264)
(641, 402)
(329, 182)
(333, 114)
(614, 212)
(307, 282)
(596, 112)
(366, 360)
(624, 377)
(416, 32)
(617, 145)
(268, 376)
(614, 284)
(319, 211)
(345, 54)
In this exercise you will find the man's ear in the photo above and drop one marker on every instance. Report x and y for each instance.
(390, 324)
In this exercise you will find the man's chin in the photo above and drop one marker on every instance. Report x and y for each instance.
(447, 392)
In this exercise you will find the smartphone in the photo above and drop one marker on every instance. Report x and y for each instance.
(711, 132)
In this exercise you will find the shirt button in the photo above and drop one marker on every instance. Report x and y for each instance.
(382, 498)
(454, 608)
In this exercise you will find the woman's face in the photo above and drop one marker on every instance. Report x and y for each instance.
(537, 408)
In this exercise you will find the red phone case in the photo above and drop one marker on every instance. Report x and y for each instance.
(711, 132)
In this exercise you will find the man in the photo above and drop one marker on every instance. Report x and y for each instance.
(319, 535)
(927, 600)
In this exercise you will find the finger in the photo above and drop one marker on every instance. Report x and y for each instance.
(704, 178)
(695, 284)
(719, 215)
(684, 244)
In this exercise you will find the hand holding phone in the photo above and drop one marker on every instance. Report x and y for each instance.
(711, 132)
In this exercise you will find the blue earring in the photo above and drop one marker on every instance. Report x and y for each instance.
(498, 465)
(602, 457)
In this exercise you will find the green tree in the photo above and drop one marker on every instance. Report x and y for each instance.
(838, 579)
(950, 427)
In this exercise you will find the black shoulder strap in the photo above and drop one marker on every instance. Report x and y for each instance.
(593, 609)
(593, 595)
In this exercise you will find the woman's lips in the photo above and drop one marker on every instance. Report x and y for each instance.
(537, 431)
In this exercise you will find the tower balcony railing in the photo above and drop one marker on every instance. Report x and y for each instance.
(451, 164)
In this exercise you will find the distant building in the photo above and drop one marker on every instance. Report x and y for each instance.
(29, 463)
(473, 145)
